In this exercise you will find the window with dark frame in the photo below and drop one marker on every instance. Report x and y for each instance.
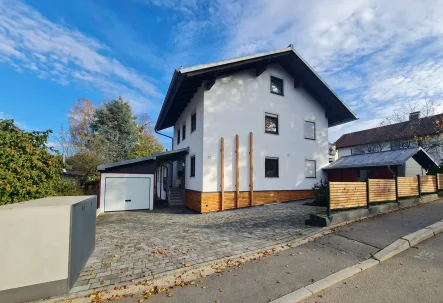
(178, 136)
(193, 122)
(309, 130)
(276, 86)
(184, 132)
(271, 167)
(310, 169)
(271, 123)
(192, 166)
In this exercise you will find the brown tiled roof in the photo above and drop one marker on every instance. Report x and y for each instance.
(396, 131)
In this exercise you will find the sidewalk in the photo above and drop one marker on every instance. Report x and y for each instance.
(279, 274)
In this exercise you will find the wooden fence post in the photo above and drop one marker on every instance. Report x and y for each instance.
(237, 170)
(251, 169)
(368, 205)
(222, 171)
(419, 186)
(436, 183)
(329, 200)
(396, 190)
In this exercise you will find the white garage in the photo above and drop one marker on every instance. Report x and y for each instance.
(119, 192)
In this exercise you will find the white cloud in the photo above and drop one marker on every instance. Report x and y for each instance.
(30, 42)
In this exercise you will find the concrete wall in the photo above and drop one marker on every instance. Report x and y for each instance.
(237, 104)
(193, 140)
(35, 259)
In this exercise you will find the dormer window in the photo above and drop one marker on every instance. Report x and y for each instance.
(276, 86)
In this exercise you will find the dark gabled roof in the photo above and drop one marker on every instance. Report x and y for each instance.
(186, 81)
(164, 156)
(385, 158)
(397, 131)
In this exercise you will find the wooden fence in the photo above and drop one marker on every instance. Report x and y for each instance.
(407, 186)
(344, 195)
(347, 194)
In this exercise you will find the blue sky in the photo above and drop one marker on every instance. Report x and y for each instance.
(377, 55)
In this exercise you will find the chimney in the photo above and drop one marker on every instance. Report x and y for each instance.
(414, 117)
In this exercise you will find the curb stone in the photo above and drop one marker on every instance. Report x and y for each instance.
(390, 251)
(419, 236)
(436, 227)
(333, 279)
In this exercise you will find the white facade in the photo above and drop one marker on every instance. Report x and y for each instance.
(236, 104)
(193, 140)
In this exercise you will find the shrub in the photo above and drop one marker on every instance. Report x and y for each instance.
(321, 192)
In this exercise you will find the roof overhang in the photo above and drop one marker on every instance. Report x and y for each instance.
(186, 81)
(384, 158)
(163, 157)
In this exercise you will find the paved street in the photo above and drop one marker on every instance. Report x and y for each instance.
(132, 245)
(415, 275)
(279, 274)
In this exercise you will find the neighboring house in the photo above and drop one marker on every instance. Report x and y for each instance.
(408, 162)
(332, 152)
(425, 132)
(272, 113)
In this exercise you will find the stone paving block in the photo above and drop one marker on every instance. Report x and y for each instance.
(79, 288)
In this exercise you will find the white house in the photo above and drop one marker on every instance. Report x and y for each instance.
(255, 128)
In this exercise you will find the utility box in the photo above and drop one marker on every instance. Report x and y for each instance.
(45, 243)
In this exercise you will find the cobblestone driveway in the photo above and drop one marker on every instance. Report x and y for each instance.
(132, 245)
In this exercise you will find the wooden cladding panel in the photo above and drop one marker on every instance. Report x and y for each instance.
(209, 202)
(381, 190)
(428, 184)
(440, 181)
(407, 186)
(347, 194)
(193, 200)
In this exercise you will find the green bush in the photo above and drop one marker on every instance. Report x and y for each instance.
(321, 192)
(68, 187)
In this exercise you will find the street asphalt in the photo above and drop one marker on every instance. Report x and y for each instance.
(415, 275)
(279, 274)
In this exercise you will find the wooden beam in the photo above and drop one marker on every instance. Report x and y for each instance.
(222, 171)
(299, 82)
(251, 169)
(237, 172)
(260, 69)
(210, 83)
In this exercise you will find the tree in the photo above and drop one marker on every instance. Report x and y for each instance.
(28, 168)
(85, 162)
(114, 122)
(148, 143)
(75, 139)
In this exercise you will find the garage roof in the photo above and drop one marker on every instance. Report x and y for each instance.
(385, 158)
(164, 156)
(186, 81)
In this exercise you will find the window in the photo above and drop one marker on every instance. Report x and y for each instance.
(184, 132)
(310, 169)
(178, 137)
(193, 122)
(192, 166)
(271, 167)
(309, 130)
(271, 123)
(276, 86)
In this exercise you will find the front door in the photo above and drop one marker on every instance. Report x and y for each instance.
(181, 171)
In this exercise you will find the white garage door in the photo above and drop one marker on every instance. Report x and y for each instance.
(124, 193)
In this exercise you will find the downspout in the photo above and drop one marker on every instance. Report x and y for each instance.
(172, 139)
(389, 167)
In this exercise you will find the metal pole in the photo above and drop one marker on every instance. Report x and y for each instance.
(368, 205)
(329, 200)
(419, 186)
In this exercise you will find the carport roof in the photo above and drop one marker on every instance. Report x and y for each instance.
(385, 158)
(164, 156)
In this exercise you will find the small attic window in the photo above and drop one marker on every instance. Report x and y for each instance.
(276, 86)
